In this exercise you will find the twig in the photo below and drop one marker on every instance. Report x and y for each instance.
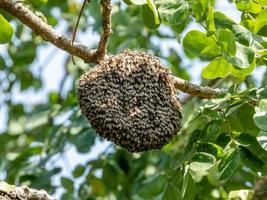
(106, 24)
(76, 26)
(195, 90)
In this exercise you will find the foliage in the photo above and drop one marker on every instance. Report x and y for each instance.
(220, 151)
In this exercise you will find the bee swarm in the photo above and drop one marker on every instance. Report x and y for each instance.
(130, 100)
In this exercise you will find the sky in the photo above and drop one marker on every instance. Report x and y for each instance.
(51, 60)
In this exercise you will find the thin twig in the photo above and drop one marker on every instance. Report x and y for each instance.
(76, 26)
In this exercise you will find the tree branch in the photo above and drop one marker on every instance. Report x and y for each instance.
(27, 17)
(106, 24)
(195, 90)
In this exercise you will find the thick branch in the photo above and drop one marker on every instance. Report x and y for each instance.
(195, 90)
(27, 17)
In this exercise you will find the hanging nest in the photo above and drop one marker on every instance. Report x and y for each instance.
(130, 100)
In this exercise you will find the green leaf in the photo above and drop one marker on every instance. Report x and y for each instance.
(261, 22)
(210, 148)
(240, 119)
(222, 21)
(149, 17)
(202, 161)
(249, 6)
(243, 58)
(199, 9)
(172, 11)
(250, 142)
(227, 41)
(153, 186)
(68, 184)
(229, 164)
(241, 73)
(172, 192)
(263, 2)
(242, 35)
(26, 55)
(6, 30)
(210, 21)
(262, 139)
(196, 43)
(153, 8)
(128, 2)
(260, 117)
(78, 171)
(189, 189)
(219, 67)
(251, 161)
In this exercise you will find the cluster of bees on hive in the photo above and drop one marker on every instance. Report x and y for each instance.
(130, 100)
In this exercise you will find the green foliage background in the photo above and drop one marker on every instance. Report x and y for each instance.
(222, 146)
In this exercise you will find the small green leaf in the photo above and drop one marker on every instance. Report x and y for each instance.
(149, 17)
(172, 11)
(229, 164)
(262, 139)
(227, 41)
(261, 21)
(199, 9)
(202, 161)
(6, 30)
(219, 67)
(172, 192)
(78, 171)
(210, 21)
(68, 184)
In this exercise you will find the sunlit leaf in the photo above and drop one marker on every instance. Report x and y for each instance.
(6, 30)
